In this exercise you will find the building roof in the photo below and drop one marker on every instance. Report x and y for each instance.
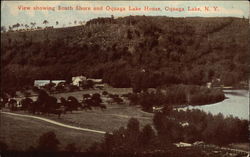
(41, 82)
(76, 78)
(95, 80)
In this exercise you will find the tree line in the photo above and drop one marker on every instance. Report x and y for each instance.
(169, 129)
(176, 95)
(47, 104)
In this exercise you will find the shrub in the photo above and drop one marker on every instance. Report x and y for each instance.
(48, 142)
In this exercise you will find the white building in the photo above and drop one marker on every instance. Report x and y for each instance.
(58, 81)
(40, 83)
(77, 80)
(183, 144)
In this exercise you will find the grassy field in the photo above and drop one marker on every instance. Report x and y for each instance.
(115, 116)
(78, 94)
(20, 133)
(112, 118)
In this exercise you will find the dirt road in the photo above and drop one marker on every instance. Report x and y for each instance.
(55, 123)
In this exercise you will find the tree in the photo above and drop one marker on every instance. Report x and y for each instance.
(45, 22)
(147, 136)
(26, 26)
(73, 103)
(42, 97)
(96, 99)
(48, 142)
(133, 125)
(26, 103)
(120, 79)
(129, 34)
(32, 24)
(88, 84)
(132, 134)
(16, 26)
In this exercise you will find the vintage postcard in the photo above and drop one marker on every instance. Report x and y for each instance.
(124, 78)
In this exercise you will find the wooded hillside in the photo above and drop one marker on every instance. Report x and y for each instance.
(124, 51)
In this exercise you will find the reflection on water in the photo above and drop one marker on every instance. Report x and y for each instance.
(236, 104)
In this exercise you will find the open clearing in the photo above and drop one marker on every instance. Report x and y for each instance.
(54, 122)
(21, 132)
(114, 117)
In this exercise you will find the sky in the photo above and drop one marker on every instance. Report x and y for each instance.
(11, 14)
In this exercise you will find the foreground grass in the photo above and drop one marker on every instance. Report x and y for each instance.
(20, 133)
(108, 120)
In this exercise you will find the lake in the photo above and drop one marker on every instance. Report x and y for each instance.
(236, 104)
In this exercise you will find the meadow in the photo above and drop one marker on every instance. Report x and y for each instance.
(19, 133)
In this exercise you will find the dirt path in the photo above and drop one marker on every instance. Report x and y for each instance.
(55, 123)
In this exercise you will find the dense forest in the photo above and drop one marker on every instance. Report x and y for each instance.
(130, 51)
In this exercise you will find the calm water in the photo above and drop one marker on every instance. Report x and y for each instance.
(236, 104)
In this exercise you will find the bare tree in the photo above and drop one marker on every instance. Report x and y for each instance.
(33, 24)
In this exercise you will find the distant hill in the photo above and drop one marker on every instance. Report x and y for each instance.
(161, 50)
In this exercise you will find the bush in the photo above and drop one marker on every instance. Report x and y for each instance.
(48, 142)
